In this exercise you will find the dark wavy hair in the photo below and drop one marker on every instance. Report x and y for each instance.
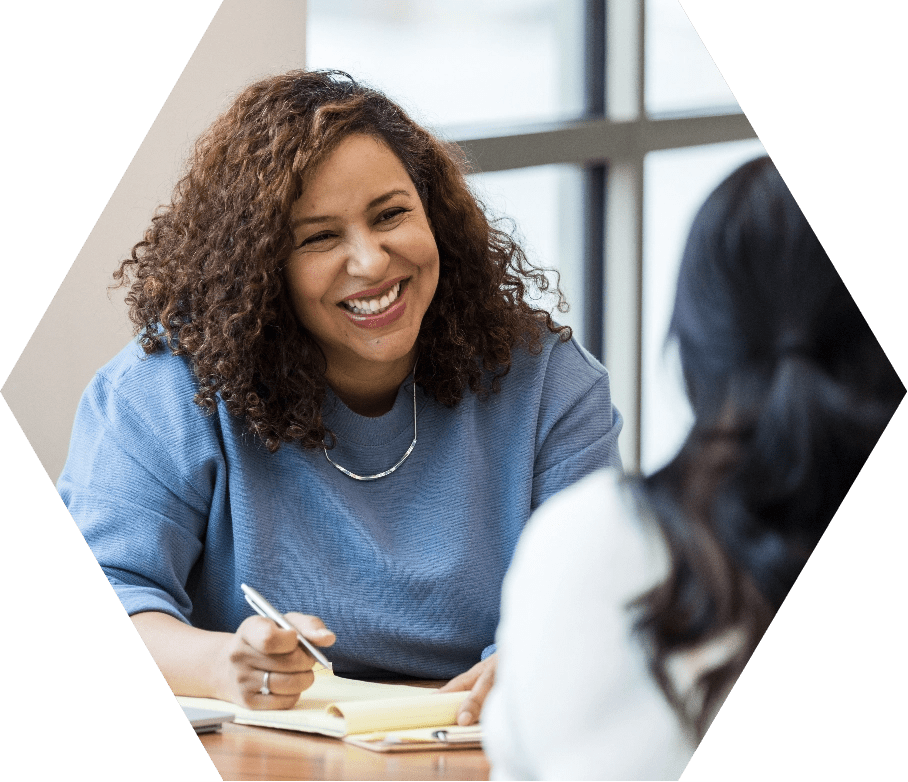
(207, 280)
(790, 391)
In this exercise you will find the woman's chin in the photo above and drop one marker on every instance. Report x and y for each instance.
(383, 353)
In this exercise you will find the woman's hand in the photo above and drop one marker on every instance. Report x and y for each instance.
(232, 666)
(258, 647)
(478, 680)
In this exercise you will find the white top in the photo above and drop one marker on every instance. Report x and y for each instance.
(573, 697)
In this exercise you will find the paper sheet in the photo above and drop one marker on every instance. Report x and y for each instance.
(335, 706)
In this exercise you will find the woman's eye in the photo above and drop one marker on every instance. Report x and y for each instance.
(320, 237)
(390, 214)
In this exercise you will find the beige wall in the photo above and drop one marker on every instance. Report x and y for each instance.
(246, 39)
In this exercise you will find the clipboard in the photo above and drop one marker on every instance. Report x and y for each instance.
(452, 737)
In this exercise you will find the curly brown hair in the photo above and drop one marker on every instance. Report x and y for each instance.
(207, 280)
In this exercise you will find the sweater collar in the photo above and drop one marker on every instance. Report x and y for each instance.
(352, 428)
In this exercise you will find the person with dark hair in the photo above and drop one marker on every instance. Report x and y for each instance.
(664, 585)
(339, 394)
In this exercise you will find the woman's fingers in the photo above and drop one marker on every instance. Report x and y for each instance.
(266, 689)
(266, 637)
(312, 628)
(465, 681)
(262, 647)
(472, 706)
(478, 680)
(265, 646)
(270, 681)
(271, 690)
(261, 688)
(280, 683)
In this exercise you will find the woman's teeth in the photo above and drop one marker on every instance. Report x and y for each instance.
(373, 306)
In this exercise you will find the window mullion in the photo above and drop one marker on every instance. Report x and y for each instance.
(624, 221)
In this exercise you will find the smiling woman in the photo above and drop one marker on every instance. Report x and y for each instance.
(362, 275)
(338, 394)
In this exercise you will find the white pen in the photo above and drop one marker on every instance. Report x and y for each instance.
(263, 608)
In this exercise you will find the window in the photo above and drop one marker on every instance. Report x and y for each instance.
(597, 125)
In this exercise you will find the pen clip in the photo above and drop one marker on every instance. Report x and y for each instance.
(255, 606)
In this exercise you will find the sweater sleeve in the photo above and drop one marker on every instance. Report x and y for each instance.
(578, 425)
(136, 493)
(586, 706)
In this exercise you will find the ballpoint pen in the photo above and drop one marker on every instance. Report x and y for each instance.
(263, 608)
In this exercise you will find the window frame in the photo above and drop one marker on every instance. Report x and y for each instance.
(609, 143)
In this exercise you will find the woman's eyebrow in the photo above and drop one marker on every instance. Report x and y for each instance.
(371, 205)
(386, 197)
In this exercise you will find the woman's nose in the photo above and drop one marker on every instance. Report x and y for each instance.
(367, 257)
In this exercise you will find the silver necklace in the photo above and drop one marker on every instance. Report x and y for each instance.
(403, 458)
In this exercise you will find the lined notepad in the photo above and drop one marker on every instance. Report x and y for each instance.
(366, 712)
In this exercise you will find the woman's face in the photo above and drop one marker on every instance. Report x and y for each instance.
(365, 264)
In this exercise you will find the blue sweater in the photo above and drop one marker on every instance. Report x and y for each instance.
(180, 507)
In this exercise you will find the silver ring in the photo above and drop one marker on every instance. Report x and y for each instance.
(264, 690)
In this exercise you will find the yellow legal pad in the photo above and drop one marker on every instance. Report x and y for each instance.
(374, 715)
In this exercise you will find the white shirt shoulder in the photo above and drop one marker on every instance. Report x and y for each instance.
(574, 698)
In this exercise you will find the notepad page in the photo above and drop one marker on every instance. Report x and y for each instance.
(433, 710)
(311, 711)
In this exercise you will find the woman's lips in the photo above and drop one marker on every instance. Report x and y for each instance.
(373, 305)
(373, 292)
(378, 319)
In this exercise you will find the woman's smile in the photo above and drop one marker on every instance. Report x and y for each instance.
(365, 263)
(374, 308)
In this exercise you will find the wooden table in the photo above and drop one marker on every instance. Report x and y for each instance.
(241, 752)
